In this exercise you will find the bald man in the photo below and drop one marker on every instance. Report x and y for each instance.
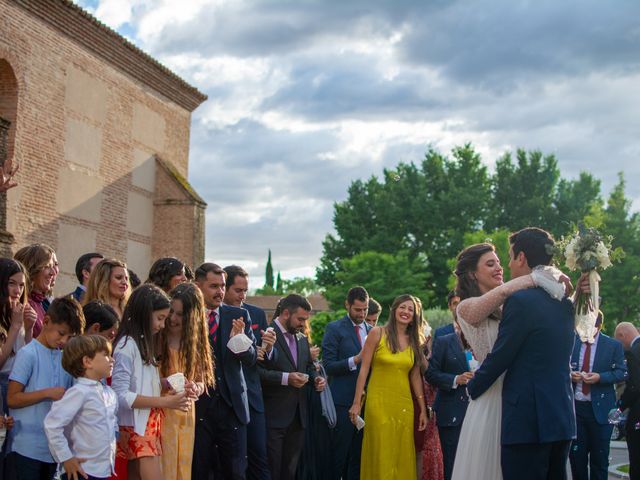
(627, 334)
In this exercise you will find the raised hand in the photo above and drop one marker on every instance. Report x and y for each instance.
(237, 328)
(177, 401)
(268, 338)
(29, 318)
(17, 315)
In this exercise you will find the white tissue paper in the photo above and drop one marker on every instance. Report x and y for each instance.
(177, 381)
(239, 343)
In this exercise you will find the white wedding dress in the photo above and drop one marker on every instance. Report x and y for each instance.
(478, 453)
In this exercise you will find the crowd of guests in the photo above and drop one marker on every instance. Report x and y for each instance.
(180, 378)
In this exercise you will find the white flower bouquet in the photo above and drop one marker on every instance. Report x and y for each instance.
(588, 251)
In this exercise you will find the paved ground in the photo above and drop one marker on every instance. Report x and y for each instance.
(618, 455)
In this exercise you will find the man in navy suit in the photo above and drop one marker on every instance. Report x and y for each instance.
(341, 354)
(534, 346)
(452, 302)
(237, 285)
(84, 267)
(222, 416)
(627, 334)
(449, 371)
(597, 367)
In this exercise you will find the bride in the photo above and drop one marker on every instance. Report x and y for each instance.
(482, 291)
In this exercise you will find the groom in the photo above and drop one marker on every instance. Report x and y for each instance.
(534, 347)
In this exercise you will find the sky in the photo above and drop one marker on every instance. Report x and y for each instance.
(307, 96)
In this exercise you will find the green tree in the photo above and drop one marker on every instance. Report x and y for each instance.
(319, 322)
(278, 287)
(303, 285)
(385, 276)
(620, 286)
(268, 273)
(413, 209)
(524, 192)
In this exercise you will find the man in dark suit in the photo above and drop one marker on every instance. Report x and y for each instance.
(84, 267)
(452, 302)
(449, 371)
(221, 416)
(627, 334)
(285, 401)
(596, 368)
(237, 285)
(534, 346)
(341, 355)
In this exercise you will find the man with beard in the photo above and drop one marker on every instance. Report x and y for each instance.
(342, 352)
(237, 285)
(222, 415)
(285, 401)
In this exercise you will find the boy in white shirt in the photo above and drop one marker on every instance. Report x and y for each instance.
(86, 413)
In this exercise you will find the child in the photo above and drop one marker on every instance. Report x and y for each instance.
(101, 319)
(38, 379)
(137, 383)
(185, 349)
(83, 424)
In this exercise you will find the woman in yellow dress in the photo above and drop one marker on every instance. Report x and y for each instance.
(393, 356)
(184, 349)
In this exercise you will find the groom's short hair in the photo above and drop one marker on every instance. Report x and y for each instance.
(535, 243)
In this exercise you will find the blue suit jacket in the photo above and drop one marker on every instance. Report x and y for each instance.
(448, 360)
(252, 376)
(230, 381)
(444, 330)
(77, 294)
(609, 363)
(339, 343)
(534, 346)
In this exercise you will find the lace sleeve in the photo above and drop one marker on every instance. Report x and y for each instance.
(476, 309)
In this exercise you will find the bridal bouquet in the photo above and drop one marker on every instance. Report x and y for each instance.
(588, 251)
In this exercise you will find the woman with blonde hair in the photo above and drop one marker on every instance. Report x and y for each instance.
(393, 354)
(40, 263)
(109, 282)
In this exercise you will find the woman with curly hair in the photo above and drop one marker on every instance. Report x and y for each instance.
(167, 273)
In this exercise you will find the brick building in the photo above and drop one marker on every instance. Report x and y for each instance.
(101, 133)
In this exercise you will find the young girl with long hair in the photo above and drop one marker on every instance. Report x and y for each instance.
(184, 348)
(393, 354)
(136, 381)
(109, 282)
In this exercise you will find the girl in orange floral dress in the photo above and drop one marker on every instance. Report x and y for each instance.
(136, 381)
(184, 348)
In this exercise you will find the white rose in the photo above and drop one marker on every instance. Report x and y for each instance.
(570, 254)
(603, 256)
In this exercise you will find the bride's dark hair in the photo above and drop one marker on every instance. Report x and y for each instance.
(466, 284)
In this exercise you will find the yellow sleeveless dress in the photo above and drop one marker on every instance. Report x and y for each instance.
(388, 450)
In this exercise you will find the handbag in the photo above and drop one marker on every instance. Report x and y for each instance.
(326, 401)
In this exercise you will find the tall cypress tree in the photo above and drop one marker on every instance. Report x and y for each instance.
(268, 274)
(279, 284)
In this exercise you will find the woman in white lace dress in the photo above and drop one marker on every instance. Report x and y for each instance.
(481, 288)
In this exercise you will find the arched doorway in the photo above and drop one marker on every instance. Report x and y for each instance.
(8, 117)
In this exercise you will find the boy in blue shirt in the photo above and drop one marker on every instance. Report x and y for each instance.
(38, 379)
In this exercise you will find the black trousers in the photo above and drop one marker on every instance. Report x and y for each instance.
(220, 447)
(346, 445)
(535, 461)
(257, 447)
(449, 437)
(633, 444)
(284, 446)
(590, 450)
